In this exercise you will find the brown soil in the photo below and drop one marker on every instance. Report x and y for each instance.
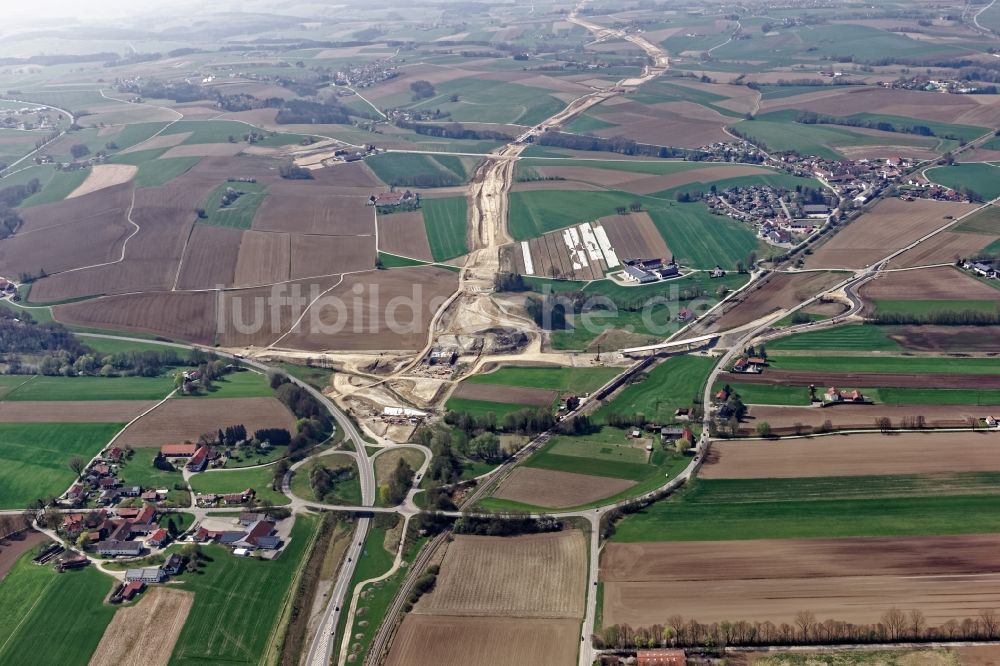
(428, 640)
(778, 291)
(945, 283)
(668, 126)
(310, 210)
(404, 234)
(68, 234)
(634, 236)
(944, 577)
(891, 224)
(183, 419)
(853, 455)
(843, 417)
(553, 489)
(948, 338)
(210, 257)
(326, 255)
(178, 315)
(541, 575)
(15, 546)
(102, 176)
(518, 395)
(264, 258)
(946, 247)
(158, 618)
(72, 411)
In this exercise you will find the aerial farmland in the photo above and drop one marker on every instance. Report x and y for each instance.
(563, 332)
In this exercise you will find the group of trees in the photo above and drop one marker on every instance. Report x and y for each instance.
(507, 524)
(895, 625)
(323, 480)
(813, 118)
(422, 90)
(313, 425)
(528, 421)
(305, 112)
(10, 198)
(400, 481)
(454, 131)
(291, 171)
(614, 145)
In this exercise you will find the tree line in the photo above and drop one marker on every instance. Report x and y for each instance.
(10, 198)
(895, 625)
(616, 144)
(940, 318)
(813, 118)
(453, 131)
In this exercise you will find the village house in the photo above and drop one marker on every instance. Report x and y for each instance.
(239, 498)
(660, 657)
(131, 589)
(835, 395)
(174, 565)
(158, 538)
(392, 199)
(199, 460)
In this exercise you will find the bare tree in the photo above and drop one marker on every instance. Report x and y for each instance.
(988, 618)
(894, 621)
(76, 464)
(805, 620)
(918, 624)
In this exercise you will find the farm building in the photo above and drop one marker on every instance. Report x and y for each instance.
(158, 538)
(131, 589)
(185, 450)
(636, 274)
(174, 565)
(144, 575)
(113, 548)
(239, 498)
(198, 461)
(835, 395)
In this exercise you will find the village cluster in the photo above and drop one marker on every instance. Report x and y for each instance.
(28, 118)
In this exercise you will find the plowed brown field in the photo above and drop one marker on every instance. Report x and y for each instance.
(862, 379)
(326, 255)
(854, 455)
(635, 236)
(210, 258)
(13, 547)
(946, 247)
(158, 618)
(428, 640)
(180, 419)
(204, 150)
(518, 395)
(404, 234)
(776, 292)
(948, 338)
(72, 411)
(855, 580)
(843, 417)
(553, 489)
(314, 210)
(540, 575)
(891, 225)
(179, 315)
(264, 258)
(945, 283)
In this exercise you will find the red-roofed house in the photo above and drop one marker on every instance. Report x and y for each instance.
(146, 515)
(185, 450)
(661, 658)
(132, 588)
(198, 460)
(158, 538)
(238, 498)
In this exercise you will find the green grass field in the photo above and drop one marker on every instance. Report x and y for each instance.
(32, 597)
(105, 346)
(986, 221)
(374, 561)
(480, 408)
(766, 394)
(314, 376)
(35, 457)
(487, 101)
(238, 602)
(219, 131)
(154, 173)
(139, 470)
(41, 387)
(930, 307)
(921, 365)
(579, 380)
(853, 337)
(238, 214)
(445, 221)
(982, 178)
(347, 492)
(702, 240)
(776, 180)
(930, 396)
(647, 166)
(535, 212)
(396, 261)
(677, 382)
(237, 480)
(802, 508)
(246, 384)
(57, 187)
(779, 132)
(398, 169)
